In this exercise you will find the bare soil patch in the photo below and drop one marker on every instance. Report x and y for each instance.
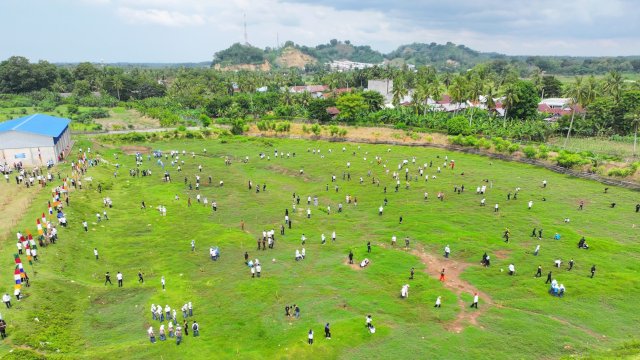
(453, 269)
(132, 149)
(354, 266)
(288, 172)
(502, 254)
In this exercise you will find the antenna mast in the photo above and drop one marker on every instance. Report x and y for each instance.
(246, 37)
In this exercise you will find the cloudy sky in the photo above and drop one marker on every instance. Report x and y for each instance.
(193, 30)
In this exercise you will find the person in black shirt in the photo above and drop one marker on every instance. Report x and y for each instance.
(107, 278)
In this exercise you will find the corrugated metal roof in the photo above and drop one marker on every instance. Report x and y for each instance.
(37, 124)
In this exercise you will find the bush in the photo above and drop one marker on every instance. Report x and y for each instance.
(316, 129)
(458, 125)
(513, 148)
(530, 152)
(334, 130)
(620, 172)
(238, 127)
(305, 129)
(543, 152)
(568, 160)
(484, 143)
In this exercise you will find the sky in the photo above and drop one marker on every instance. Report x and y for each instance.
(193, 30)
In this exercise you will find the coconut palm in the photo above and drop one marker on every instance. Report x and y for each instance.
(510, 99)
(576, 94)
(613, 85)
(420, 97)
(475, 89)
(399, 90)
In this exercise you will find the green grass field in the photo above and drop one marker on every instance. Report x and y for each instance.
(241, 317)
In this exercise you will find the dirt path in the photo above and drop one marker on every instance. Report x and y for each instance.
(453, 269)
(453, 282)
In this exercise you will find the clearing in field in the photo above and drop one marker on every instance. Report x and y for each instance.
(69, 311)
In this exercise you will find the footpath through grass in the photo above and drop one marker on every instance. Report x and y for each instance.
(241, 317)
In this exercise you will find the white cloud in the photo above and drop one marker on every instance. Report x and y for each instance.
(159, 17)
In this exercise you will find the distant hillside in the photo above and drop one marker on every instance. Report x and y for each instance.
(338, 50)
(446, 57)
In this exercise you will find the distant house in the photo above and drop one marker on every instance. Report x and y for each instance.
(34, 140)
(384, 87)
(557, 107)
(346, 65)
(333, 111)
(315, 90)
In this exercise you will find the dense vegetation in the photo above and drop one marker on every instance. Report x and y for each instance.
(193, 96)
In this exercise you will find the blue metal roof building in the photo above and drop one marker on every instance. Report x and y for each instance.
(35, 139)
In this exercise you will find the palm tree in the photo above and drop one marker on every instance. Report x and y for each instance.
(399, 90)
(634, 117)
(510, 99)
(420, 97)
(613, 85)
(575, 93)
(490, 102)
(118, 85)
(458, 91)
(476, 88)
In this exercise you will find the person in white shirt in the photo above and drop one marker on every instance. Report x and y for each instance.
(380, 209)
(482, 202)
(530, 204)
(537, 250)
(95, 252)
(438, 302)
(308, 213)
(404, 292)
(512, 269)
(393, 240)
(496, 208)
(475, 301)
(333, 236)
(119, 278)
(558, 262)
(303, 253)
(6, 298)
(447, 251)
(298, 255)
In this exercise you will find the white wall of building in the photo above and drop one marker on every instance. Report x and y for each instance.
(25, 146)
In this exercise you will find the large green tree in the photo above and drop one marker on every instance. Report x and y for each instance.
(522, 100)
(351, 106)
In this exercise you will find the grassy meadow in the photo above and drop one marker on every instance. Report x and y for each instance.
(243, 317)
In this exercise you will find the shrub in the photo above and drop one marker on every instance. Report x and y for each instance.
(316, 129)
(513, 148)
(484, 143)
(568, 160)
(343, 132)
(305, 129)
(238, 127)
(530, 152)
(458, 125)
(543, 152)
